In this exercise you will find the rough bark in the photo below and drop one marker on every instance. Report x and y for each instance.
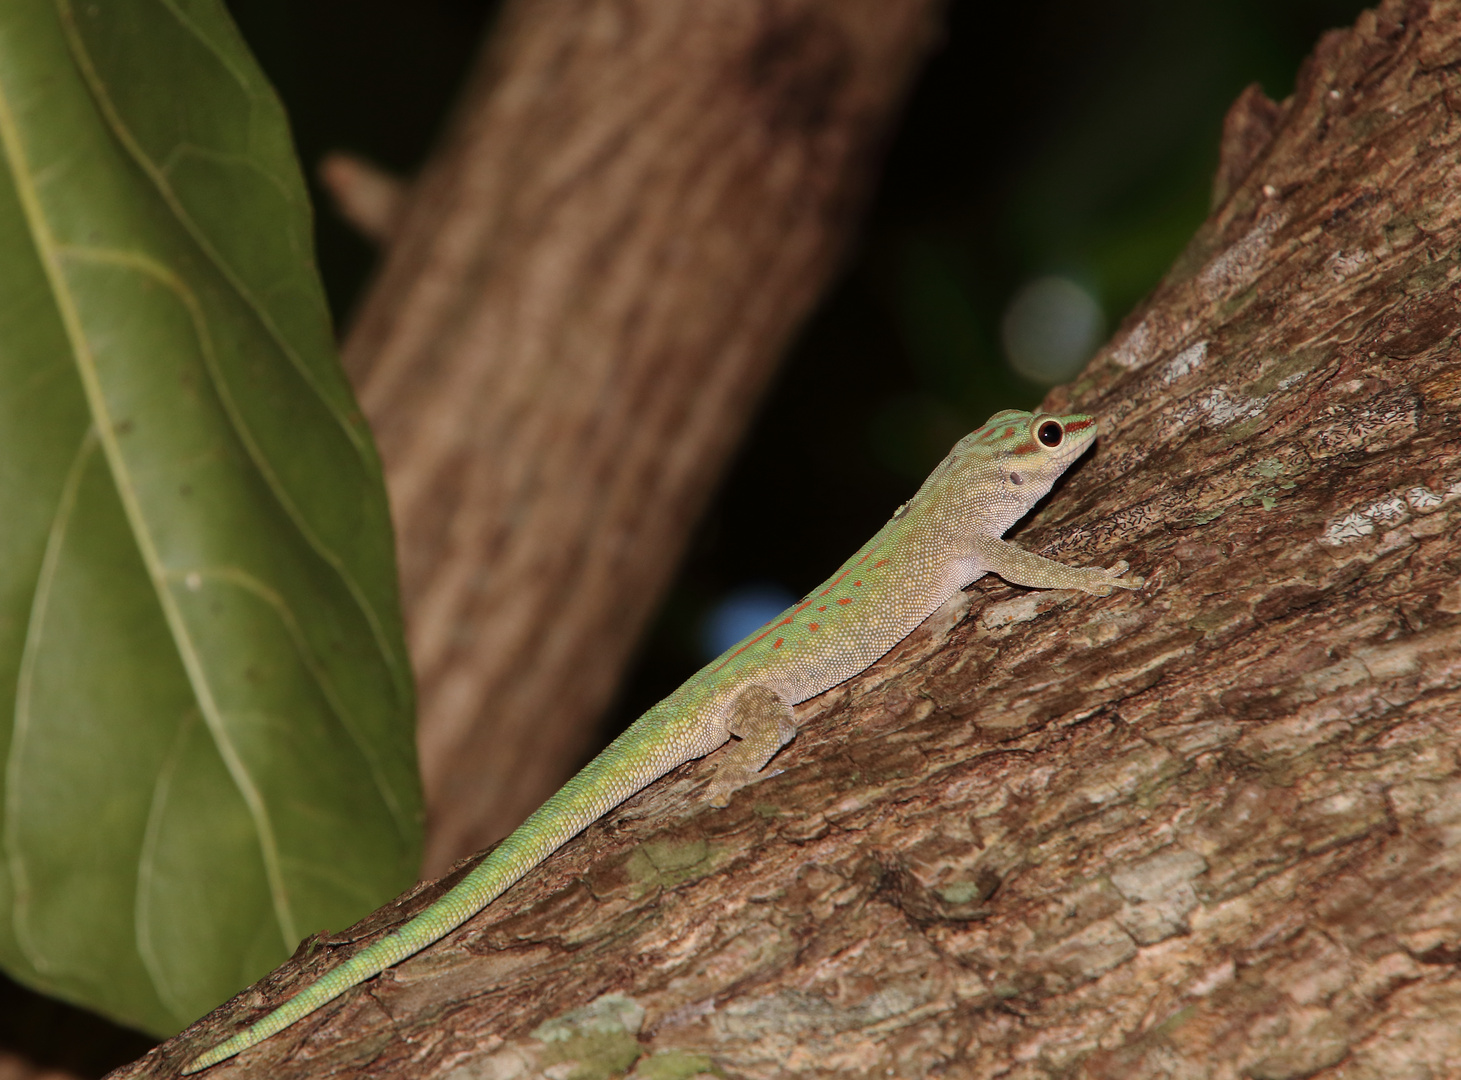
(1212, 829)
(638, 202)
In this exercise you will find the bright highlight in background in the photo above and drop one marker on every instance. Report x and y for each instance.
(739, 613)
(1050, 329)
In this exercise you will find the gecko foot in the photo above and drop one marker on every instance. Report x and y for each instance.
(763, 723)
(1118, 569)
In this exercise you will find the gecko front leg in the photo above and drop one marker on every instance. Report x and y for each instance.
(1021, 567)
(763, 723)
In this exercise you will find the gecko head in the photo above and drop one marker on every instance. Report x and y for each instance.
(999, 471)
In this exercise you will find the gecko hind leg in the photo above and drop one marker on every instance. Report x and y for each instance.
(763, 723)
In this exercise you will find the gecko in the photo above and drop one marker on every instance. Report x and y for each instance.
(936, 544)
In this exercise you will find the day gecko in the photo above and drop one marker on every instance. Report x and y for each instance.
(938, 542)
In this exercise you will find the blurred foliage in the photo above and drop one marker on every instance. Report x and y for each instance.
(1086, 149)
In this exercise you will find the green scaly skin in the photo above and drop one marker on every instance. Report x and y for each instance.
(938, 542)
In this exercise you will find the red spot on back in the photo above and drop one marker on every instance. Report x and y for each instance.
(856, 583)
(833, 583)
(766, 630)
(822, 608)
(845, 600)
(777, 643)
(880, 562)
(813, 626)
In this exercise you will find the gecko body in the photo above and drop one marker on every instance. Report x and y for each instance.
(938, 542)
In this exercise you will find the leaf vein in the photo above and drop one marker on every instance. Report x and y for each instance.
(49, 250)
(203, 39)
(169, 280)
(146, 863)
(30, 650)
(248, 582)
(399, 674)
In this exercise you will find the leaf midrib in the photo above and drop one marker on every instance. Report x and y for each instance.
(165, 192)
(47, 249)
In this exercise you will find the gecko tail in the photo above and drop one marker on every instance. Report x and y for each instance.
(623, 768)
(370, 961)
(488, 880)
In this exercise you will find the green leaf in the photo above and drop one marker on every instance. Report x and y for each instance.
(206, 730)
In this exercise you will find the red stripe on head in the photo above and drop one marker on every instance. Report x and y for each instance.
(1079, 425)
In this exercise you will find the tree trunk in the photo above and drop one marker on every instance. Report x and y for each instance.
(1210, 829)
(637, 204)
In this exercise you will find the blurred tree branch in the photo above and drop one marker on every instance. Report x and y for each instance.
(368, 197)
(584, 296)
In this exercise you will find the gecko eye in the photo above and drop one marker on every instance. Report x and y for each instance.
(1016, 479)
(1050, 433)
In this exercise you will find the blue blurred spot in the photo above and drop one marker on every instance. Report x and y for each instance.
(1051, 328)
(741, 612)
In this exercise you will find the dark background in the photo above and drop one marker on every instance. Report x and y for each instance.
(1046, 137)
